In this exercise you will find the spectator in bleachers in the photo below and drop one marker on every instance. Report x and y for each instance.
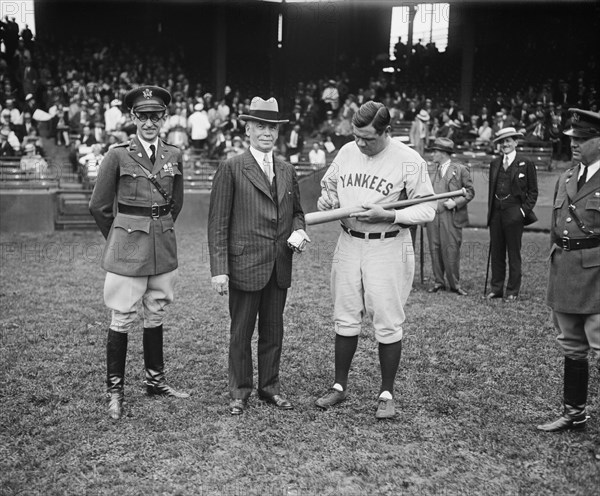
(294, 144)
(316, 156)
(419, 131)
(87, 137)
(90, 163)
(113, 117)
(6, 149)
(484, 134)
(330, 96)
(32, 161)
(198, 127)
(236, 148)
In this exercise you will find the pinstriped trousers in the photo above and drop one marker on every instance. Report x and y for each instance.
(244, 307)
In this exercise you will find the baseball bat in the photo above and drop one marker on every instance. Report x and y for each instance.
(321, 217)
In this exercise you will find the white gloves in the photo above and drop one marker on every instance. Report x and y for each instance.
(220, 284)
(297, 240)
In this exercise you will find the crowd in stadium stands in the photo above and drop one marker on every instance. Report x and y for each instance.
(74, 94)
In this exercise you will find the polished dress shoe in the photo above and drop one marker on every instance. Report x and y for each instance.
(163, 389)
(279, 401)
(237, 406)
(436, 288)
(460, 292)
(565, 423)
(493, 295)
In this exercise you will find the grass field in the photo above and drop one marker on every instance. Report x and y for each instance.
(475, 379)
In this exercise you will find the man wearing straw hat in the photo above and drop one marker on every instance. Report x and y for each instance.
(512, 194)
(255, 224)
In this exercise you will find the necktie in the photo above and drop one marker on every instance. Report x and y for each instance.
(267, 168)
(581, 180)
(505, 164)
(153, 156)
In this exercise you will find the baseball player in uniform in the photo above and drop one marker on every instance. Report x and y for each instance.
(141, 180)
(574, 280)
(374, 258)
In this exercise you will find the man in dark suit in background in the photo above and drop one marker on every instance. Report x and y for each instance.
(513, 191)
(255, 224)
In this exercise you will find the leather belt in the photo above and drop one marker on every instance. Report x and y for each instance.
(570, 244)
(372, 235)
(155, 211)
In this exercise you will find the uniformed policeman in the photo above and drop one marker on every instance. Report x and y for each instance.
(140, 257)
(574, 282)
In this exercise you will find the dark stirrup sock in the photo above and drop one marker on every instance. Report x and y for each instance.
(389, 360)
(345, 346)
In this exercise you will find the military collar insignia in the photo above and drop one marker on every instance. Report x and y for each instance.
(147, 93)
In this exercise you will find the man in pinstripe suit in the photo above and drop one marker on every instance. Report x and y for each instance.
(255, 224)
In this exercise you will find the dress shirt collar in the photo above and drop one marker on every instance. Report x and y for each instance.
(591, 169)
(260, 156)
(146, 146)
(511, 157)
(444, 168)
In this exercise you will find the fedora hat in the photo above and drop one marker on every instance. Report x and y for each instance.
(507, 132)
(263, 111)
(443, 145)
(423, 115)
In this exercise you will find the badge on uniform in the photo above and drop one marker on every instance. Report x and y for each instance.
(147, 93)
(168, 167)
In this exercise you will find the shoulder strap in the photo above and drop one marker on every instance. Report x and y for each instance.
(159, 188)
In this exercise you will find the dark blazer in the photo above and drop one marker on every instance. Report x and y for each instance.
(136, 245)
(247, 228)
(523, 184)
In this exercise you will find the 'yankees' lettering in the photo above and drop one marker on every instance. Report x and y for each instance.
(366, 181)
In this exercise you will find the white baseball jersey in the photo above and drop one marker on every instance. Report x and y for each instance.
(374, 277)
(396, 173)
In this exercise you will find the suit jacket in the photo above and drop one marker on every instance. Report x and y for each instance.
(136, 245)
(574, 280)
(457, 176)
(523, 183)
(247, 228)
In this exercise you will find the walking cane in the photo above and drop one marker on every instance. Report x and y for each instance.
(421, 253)
(487, 270)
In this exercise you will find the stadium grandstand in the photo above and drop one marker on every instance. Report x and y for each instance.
(498, 64)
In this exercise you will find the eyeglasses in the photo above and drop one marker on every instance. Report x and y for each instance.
(153, 116)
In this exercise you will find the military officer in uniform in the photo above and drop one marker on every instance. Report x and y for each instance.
(574, 281)
(136, 200)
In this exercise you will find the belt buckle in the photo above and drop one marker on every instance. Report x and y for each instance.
(155, 211)
(566, 244)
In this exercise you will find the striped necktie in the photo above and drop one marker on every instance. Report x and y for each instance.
(267, 168)
(153, 156)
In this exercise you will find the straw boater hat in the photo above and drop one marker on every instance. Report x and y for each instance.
(444, 145)
(507, 132)
(263, 111)
(423, 115)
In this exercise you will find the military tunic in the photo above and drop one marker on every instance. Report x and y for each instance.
(138, 245)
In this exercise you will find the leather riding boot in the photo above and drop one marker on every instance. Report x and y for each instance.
(575, 398)
(116, 352)
(156, 383)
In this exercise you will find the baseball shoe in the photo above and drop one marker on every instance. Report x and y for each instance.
(512, 298)
(385, 409)
(330, 398)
